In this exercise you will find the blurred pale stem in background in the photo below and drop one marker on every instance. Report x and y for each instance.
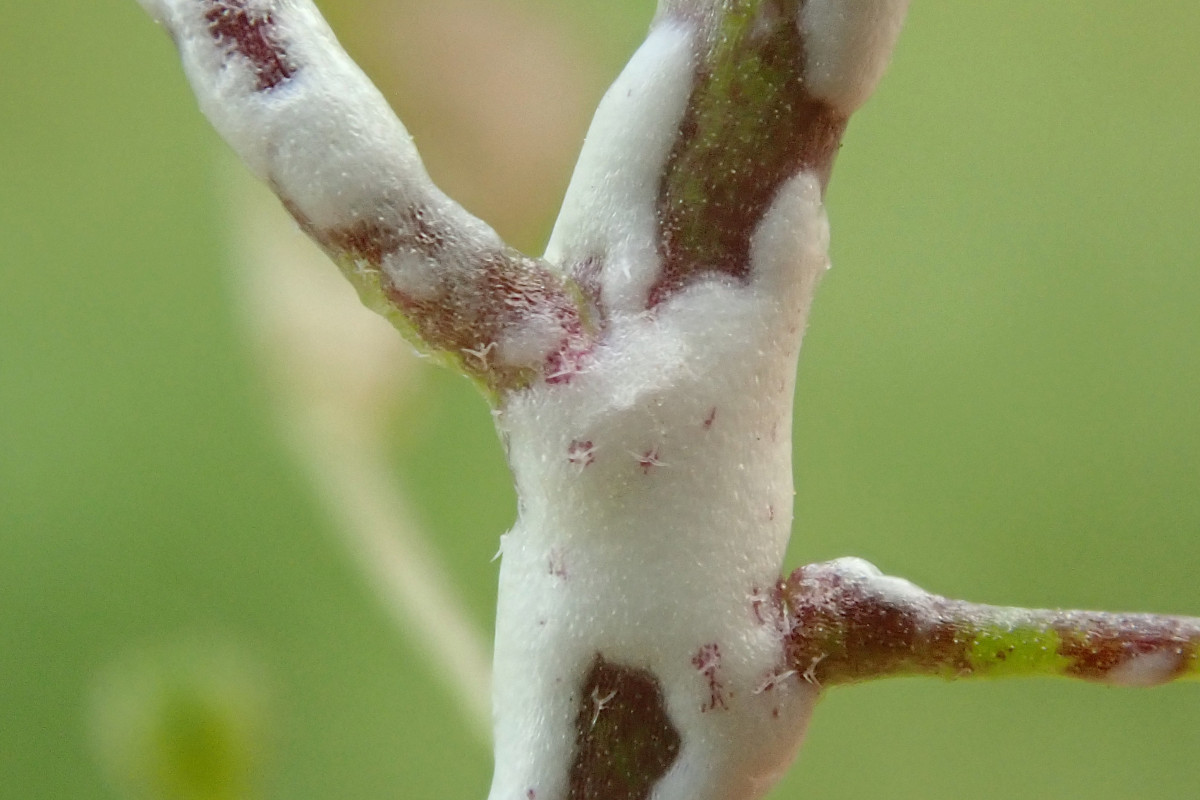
(338, 373)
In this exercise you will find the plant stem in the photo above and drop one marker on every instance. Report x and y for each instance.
(847, 623)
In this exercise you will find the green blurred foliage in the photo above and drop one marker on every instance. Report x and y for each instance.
(997, 399)
(184, 722)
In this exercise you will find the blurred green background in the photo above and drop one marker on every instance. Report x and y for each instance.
(997, 393)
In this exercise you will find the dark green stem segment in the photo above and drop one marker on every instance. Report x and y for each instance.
(750, 125)
(624, 740)
(846, 624)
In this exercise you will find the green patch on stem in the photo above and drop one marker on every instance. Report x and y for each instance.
(750, 125)
(367, 281)
(1015, 652)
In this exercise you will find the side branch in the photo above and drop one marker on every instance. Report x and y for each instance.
(847, 623)
(273, 80)
(723, 107)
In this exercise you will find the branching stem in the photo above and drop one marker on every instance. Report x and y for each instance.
(847, 623)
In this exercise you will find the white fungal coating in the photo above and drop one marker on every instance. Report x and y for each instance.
(651, 440)
(1146, 669)
(654, 472)
(647, 481)
(609, 208)
(847, 46)
(414, 272)
(790, 249)
(529, 341)
(324, 138)
(276, 84)
(897, 592)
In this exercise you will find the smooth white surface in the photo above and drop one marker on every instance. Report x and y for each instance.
(847, 45)
(663, 543)
(609, 208)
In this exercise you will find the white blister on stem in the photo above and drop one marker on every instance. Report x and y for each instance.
(609, 208)
(656, 507)
(321, 135)
(848, 44)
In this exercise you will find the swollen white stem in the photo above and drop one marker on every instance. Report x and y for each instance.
(643, 383)
(276, 84)
(699, 238)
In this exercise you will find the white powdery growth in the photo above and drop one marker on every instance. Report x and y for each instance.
(789, 251)
(1146, 669)
(847, 46)
(529, 341)
(324, 137)
(609, 208)
(656, 504)
(899, 592)
(276, 84)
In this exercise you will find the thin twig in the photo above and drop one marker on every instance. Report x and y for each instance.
(339, 373)
(849, 623)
